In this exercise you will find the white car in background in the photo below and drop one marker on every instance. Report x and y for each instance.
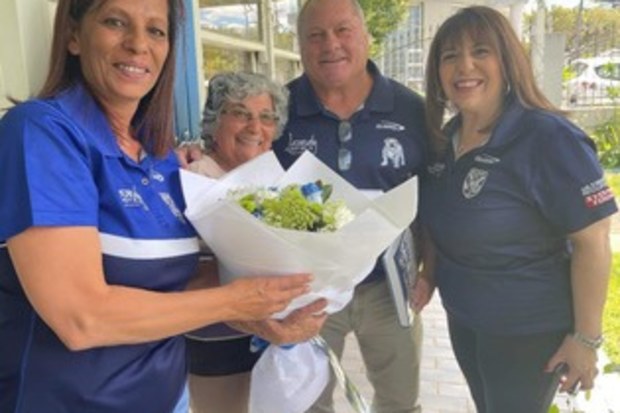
(596, 81)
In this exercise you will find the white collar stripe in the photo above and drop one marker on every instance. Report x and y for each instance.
(123, 247)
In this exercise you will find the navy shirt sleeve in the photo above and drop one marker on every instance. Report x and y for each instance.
(568, 184)
(44, 165)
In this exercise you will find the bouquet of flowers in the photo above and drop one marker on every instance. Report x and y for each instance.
(305, 207)
(261, 220)
(362, 226)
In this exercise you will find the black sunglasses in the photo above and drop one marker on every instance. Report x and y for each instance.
(345, 155)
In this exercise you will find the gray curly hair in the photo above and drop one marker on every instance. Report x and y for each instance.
(234, 87)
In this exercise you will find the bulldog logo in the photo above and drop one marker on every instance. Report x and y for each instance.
(392, 153)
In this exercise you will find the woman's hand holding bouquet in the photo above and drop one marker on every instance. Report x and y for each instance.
(300, 325)
(258, 298)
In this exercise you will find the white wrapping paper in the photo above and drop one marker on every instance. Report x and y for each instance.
(339, 260)
(288, 380)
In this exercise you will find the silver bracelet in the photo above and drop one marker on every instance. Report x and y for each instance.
(591, 343)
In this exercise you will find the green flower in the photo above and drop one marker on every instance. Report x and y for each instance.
(290, 209)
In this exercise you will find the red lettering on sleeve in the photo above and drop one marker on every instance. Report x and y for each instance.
(599, 198)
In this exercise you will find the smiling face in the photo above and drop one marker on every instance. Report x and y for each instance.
(334, 44)
(122, 46)
(471, 77)
(244, 130)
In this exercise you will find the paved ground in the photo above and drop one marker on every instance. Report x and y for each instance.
(443, 388)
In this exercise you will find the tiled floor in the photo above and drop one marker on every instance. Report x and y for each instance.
(442, 387)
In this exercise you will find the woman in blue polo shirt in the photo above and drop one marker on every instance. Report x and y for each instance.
(518, 210)
(95, 254)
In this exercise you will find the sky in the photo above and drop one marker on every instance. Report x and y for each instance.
(564, 3)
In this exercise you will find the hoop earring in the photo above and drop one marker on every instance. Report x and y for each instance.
(508, 89)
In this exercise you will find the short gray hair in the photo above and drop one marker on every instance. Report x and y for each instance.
(301, 16)
(232, 87)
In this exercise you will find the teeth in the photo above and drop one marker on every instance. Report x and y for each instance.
(132, 69)
(467, 83)
(250, 141)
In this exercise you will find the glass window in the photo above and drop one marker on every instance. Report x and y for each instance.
(609, 71)
(233, 36)
(285, 19)
(578, 68)
(223, 60)
(238, 18)
(286, 70)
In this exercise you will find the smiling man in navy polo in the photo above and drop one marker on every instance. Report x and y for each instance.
(371, 130)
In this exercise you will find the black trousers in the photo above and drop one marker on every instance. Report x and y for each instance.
(220, 357)
(505, 374)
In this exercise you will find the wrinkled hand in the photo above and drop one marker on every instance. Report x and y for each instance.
(300, 325)
(258, 298)
(421, 293)
(581, 365)
(188, 153)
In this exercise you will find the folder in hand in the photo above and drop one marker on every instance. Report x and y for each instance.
(401, 270)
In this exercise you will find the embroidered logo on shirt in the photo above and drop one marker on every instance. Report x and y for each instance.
(174, 209)
(596, 193)
(132, 199)
(156, 176)
(474, 182)
(486, 159)
(296, 147)
(593, 187)
(392, 153)
(599, 198)
(436, 169)
(390, 125)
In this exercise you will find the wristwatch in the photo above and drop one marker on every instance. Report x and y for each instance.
(592, 343)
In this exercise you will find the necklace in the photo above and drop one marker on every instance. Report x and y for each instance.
(460, 148)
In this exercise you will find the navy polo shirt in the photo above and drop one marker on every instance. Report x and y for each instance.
(388, 135)
(500, 217)
(60, 165)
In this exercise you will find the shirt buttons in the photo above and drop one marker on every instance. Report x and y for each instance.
(145, 181)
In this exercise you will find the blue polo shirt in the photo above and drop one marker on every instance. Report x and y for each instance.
(60, 165)
(500, 217)
(388, 136)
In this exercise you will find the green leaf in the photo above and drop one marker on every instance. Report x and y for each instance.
(326, 191)
(611, 368)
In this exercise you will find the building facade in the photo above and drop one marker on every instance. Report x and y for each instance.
(404, 51)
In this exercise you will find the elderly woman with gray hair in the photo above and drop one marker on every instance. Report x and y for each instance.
(243, 114)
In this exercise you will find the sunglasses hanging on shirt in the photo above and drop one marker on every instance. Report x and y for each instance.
(345, 156)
